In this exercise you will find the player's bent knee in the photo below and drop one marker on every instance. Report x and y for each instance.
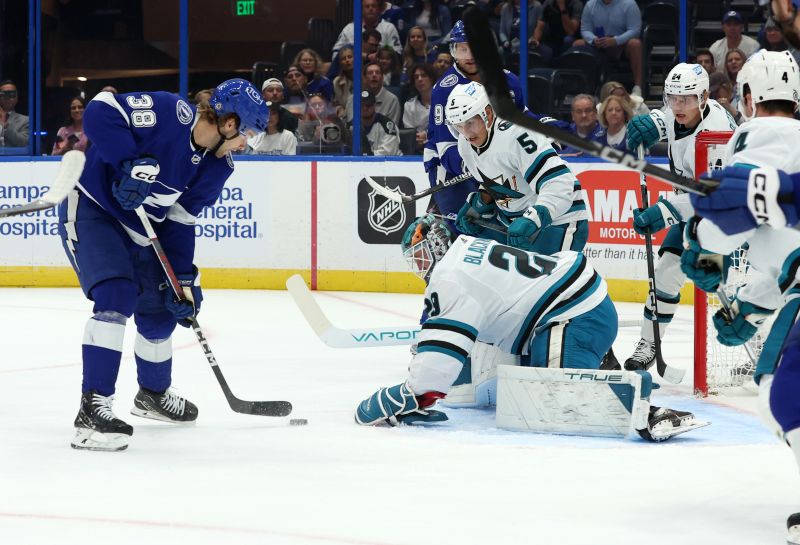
(783, 399)
(115, 295)
(156, 326)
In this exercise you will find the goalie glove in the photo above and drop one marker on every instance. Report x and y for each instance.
(740, 328)
(707, 270)
(398, 405)
(186, 308)
(655, 218)
(748, 197)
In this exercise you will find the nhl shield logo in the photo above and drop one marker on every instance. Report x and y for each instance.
(384, 215)
(380, 220)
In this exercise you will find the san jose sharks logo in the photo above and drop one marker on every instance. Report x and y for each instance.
(384, 215)
(501, 189)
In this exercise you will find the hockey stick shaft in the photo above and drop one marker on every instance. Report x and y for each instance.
(336, 337)
(262, 408)
(669, 373)
(399, 197)
(69, 172)
(490, 65)
(726, 306)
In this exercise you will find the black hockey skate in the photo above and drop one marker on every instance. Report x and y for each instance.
(610, 362)
(643, 357)
(97, 428)
(167, 407)
(664, 423)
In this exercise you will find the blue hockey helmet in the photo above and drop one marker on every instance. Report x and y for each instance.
(457, 34)
(240, 97)
(424, 244)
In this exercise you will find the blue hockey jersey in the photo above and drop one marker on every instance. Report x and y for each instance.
(159, 125)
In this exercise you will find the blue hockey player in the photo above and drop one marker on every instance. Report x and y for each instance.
(441, 158)
(157, 151)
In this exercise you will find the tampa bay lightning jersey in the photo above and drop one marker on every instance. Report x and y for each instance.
(155, 124)
(483, 290)
(526, 164)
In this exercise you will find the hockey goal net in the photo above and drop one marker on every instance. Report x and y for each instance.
(717, 366)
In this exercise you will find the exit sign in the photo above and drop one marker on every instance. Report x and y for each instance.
(245, 7)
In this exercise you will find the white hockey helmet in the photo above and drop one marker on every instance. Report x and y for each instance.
(465, 102)
(687, 79)
(769, 75)
(424, 244)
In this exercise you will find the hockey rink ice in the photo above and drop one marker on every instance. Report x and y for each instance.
(238, 479)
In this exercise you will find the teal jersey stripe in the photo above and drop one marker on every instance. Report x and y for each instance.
(789, 270)
(453, 323)
(530, 174)
(553, 173)
(549, 316)
(440, 350)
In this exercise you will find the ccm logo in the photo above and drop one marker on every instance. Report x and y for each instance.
(139, 175)
(759, 205)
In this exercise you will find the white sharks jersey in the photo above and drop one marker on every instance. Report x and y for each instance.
(681, 146)
(486, 291)
(523, 165)
(763, 141)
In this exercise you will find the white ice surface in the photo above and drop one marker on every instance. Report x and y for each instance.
(236, 479)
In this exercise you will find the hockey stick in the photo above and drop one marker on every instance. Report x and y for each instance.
(671, 374)
(490, 65)
(261, 408)
(68, 174)
(345, 338)
(395, 195)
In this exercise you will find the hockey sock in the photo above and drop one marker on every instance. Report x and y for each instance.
(153, 362)
(783, 399)
(669, 279)
(102, 351)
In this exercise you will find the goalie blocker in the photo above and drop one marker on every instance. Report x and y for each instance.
(585, 402)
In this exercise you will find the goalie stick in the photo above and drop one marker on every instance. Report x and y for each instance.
(261, 408)
(68, 174)
(479, 37)
(395, 195)
(345, 338)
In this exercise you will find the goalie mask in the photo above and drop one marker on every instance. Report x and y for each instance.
(466, 101)
(768, 75)
(425, 243)
(685, 81)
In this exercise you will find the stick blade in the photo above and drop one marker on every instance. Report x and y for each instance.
(68, 174)
(262, 408)
(390, 194)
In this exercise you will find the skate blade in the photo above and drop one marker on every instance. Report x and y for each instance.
(152, 415)
(669, 432)
(86, 439)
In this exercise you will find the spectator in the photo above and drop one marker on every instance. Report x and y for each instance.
(772, 39)
(385, 102)
(584, 122)
(310, 64)
(443, 63)
(614, 114)
(416, 50)
(370, 43)
(557, 27)
(343, 83)
(733, 27)
(295, 91)
(611, 28)
(721, 90)
(321, 125)
(734, 60)
(203, 95)
(417, 109)
(276, 140)
(111, 89)
(71, 136)
(272, 91)
(617, 89)
(432, 16)
(705, 59)
(387, 60)
(370, 20)
(13, 126)
(378, 133)
(509, 24)
(395, 15)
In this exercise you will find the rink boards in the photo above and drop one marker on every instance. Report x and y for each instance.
(317, 216)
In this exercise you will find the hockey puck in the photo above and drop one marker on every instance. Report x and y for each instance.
(298, 422)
